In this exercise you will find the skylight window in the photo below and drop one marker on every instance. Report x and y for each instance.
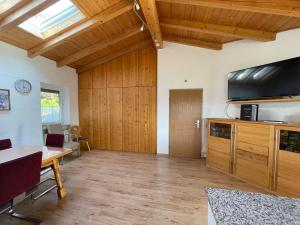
(53, 19)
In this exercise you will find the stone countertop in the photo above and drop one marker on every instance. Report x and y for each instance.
(232, 207)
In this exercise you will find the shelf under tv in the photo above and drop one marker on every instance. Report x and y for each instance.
(296, 99)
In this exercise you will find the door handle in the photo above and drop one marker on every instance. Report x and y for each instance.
(197, 123)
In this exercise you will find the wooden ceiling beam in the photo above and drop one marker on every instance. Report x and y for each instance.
(114, 55)
(4, 12)
(193, 42)
(217, 29)
(150, 12)
(101, 18)
(99, 46)
(274, 7)
(24, 13)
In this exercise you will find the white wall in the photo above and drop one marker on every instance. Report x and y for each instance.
(207, 69)
(23, 123)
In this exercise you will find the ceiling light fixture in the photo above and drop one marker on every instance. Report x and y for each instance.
(137, 6)
(142, 27)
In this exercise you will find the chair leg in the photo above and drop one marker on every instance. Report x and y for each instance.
(62, 161)
(87, 143)
(23, 217)
(79, 150)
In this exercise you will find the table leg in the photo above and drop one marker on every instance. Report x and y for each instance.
(60, 188)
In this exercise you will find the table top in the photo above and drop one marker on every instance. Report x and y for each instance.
(49, 153)
(231, 207)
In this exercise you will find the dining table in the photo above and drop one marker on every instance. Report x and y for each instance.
(50, 158)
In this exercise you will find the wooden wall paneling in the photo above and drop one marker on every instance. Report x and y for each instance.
(130, 119)
(85, 80)
(120, 113)
(147, 119)
(115, 73)
(99, 109)
(85, 115)
(99, 76)
(130, 69)
(115, 123)
(147, 66)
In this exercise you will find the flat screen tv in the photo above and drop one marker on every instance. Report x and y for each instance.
(274, 80)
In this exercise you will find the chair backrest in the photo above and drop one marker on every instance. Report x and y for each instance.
(19, 175)
(55, 129)
(5, 144)
(55, 140)
(75, 130)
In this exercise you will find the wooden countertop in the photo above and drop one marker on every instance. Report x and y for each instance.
(295, 125)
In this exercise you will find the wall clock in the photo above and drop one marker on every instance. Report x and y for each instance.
(23, 86)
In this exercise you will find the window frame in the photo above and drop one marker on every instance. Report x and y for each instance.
(57, 23)
(60, 95)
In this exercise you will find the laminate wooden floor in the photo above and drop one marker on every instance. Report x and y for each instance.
(126, 188)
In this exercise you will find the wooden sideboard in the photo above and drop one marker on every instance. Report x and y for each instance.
(263, 154)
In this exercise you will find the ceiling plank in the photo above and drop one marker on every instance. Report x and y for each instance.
(99, 46)
(193, 42)
(114, 55)
(82, 9)
(22, 14)
(151, 16)
(209, 28)
(289, 8)
(101, 18)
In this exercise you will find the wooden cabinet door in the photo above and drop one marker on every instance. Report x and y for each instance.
(130, 69)
(99, 119)
(288, 173)
(114, 71)
(287, 163)
(219, 153)
(254, 153)
(147, 66)
(130, 119)
(219, 149)
(115, 123)
(86, 113)
(147, 119)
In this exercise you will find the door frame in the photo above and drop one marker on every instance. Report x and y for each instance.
(201, 122)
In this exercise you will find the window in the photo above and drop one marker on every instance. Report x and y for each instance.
(50, 106)
(53, 19)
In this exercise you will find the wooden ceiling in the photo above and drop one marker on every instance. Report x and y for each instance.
(112, 28)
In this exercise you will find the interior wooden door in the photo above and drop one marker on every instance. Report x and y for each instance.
(185, 123)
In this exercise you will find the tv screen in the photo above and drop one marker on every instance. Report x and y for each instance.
(274, 80)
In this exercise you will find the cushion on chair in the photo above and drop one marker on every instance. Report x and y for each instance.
(5, 144)
(71, 145)
(55, 129)
(81, 139)
(19, 175)
(55, 140)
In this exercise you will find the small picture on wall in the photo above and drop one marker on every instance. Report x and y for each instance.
(4, 100)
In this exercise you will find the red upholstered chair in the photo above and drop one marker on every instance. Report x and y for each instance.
(55, 140)
(5, 144)
(19, 176)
